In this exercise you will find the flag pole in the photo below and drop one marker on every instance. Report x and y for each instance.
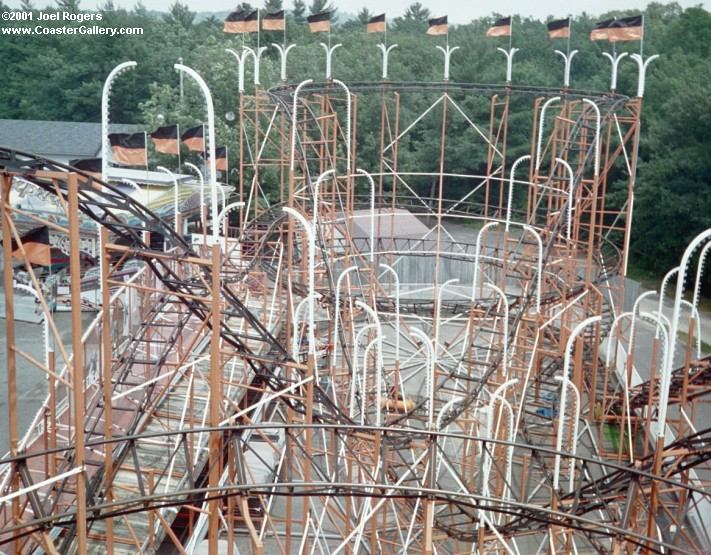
(284, 30)
(570, 30)
(145, 147)
(177, 131)
(385, 33)
(641, 41)
(258, 29)
(511, 34)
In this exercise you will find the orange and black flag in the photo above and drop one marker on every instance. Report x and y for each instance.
(194, 138)
(376, 24)
(437, 26)
(251, 22)
(601, 30)
(274, 21)
(221, 158)
(36, 246)
(166, 139)
(319, 22)
(129, 149)
(627, 28)
(87, 165)
(559, 29)
(500, 28)
(234, 22)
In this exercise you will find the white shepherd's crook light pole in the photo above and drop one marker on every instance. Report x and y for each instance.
(329, 55)
(566, 376)
(372, 211)
(311, 239)
(509, 61)
(422, 336)
(105, 101)
(256, 57)
(642, 66)
(512, 178)
(337, 310)
(241, 61)
(396, 279)
(202, 192)
(567, 61)
(231, 206)
(567, 384)
(700, 239)
(447, 51)
(615, 62)
(176, 210)
(283, 55)
(541, 127)
(294, 110)
(571, 184)
(212, 163)
(386, 54)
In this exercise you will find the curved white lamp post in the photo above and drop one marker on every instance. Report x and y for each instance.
(311, 239)
(386, 54)
(294, 111)
(430, 372)
(372, 211)
(447, 51)
(596, 167)
(541, 127)
(241, 61)
(512, 178)
(477, 255)
(105, 100)
(256, 57)
(642, 65)
(505, 303)
(571, 185)
(486, 462)
(356, 368)
(615, 62)
(566, 376)
(700, 239)
(509, 61)
(699, 271)
(567, 61)
(567, 384)
(337, 310)
(176, 210)
(539, 264)
(329, 55)
(439, 316)
(202, 190)
(283, 55)
(227, 209)
(396, 279)
(211, 138)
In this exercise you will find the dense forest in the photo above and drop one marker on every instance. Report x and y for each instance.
(60, 78)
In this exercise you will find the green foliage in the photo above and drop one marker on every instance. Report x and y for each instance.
(61, 77)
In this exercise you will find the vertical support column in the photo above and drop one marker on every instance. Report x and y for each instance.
(77, 360)
(9, 316)
(106, 351)
(215, 400)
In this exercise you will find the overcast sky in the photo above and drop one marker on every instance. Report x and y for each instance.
(459, 11)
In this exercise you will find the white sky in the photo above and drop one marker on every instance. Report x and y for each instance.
(459, 11)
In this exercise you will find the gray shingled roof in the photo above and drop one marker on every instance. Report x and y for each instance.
(56, 138)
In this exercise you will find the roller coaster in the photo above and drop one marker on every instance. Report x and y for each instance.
(406, 357)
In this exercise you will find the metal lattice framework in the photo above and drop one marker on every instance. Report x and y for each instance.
(388, 353)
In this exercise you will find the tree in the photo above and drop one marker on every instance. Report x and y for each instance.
(299, 11)
(180, 15)
(364, 15)
(416, 12)
(71, 6)
(271, 6)
(318, 6)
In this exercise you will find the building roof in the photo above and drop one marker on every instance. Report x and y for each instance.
(68, 139)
